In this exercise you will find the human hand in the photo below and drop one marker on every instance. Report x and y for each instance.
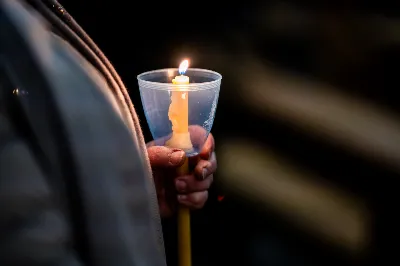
(188, 190)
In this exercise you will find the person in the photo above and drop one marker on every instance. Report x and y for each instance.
(78, 185)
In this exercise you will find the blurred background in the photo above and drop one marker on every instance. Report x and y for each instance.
(307, 126)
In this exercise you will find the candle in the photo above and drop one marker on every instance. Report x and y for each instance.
(179, 111)
(179, 116)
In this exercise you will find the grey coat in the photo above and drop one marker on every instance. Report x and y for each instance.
(75, 182)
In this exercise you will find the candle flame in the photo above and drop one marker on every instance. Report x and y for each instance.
(183, 67)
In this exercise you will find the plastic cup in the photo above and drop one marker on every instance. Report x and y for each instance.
(203, 91)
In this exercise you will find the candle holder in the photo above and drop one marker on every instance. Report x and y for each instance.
(156, 89)
(180, 115)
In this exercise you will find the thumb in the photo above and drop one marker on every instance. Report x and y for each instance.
(164, 157)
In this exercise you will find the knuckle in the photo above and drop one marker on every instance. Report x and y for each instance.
(190, 182)
(154, 152)
(200, 199)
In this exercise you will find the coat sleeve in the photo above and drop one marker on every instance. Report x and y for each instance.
(33, 230)
(95, 197)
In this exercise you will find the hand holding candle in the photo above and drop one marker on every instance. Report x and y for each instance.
(168, 118)
(189, 190)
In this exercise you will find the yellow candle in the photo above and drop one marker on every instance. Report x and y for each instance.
(179, 112)
(179, 116)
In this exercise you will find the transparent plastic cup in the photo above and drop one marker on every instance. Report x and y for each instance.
(155, 90)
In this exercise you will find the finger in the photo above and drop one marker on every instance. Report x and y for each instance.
(205, 153)
(194, 200)
(208, 148)
(205, 168)
(197, 134)
(189, 184)
(161, 156)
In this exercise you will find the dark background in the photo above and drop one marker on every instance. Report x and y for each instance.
(300, 58)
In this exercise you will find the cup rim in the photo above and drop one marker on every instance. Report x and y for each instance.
(190, 86)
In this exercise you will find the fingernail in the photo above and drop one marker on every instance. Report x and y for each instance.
(182, 197)
(176, 156)
(180, 185)
(204, 173)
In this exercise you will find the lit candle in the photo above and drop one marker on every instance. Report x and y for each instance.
(179, 111)
(179, 116)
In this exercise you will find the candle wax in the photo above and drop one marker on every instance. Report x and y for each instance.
(179, 116)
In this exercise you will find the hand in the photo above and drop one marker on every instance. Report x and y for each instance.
(189, 190)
